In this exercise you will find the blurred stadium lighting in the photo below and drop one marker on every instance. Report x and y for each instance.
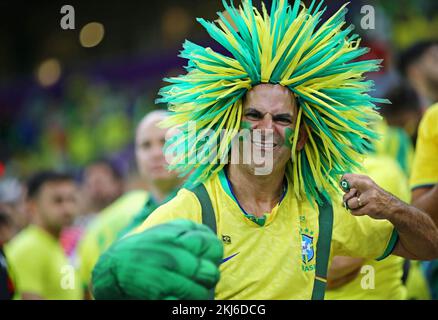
(91, 34)
(49, 72)
(176, 23)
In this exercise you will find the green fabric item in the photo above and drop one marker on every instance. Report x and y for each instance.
(175, 260)
(208, 215)
(323, 249)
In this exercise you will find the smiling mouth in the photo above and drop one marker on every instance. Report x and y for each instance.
(264, 145)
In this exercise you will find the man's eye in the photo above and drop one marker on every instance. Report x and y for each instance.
(146, 145)
(253, 116)
(284, 121)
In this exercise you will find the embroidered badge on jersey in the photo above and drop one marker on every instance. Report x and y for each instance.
(307, 250)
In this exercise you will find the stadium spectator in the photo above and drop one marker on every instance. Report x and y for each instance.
(40, 265)
(132, 208)
(419, 64)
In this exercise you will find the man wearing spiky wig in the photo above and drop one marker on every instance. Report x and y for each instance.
(293, 82)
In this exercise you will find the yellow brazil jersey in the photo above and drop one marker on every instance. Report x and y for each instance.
(274, 259)
(386, 274)
(40, 266)
(104, 230)
(425, 167)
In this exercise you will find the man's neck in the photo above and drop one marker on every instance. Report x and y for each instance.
(54, 233)
(256, 194)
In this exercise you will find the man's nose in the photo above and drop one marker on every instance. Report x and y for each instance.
(68, 208)
(157, 152)
(267, 122)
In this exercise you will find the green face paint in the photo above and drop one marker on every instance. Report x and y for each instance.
(245, 125)
(289, 137)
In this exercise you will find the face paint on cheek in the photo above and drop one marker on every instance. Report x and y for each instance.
(245, 125)
(246, 128)
(289, 134)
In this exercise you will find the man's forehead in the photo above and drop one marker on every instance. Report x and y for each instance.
(57, 187)
(270, 98)
(151, 121)
(150, 131)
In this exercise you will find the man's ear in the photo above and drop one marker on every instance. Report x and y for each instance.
(302, 138)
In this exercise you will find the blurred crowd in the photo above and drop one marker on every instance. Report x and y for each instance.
(92, 167)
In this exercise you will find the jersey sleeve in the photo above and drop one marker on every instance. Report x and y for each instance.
(425, 167)
(184, 206)
(362, 237)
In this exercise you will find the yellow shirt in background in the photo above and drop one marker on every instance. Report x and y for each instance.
(40, 266)
(425, 167)
(274, 259)
(104, 230)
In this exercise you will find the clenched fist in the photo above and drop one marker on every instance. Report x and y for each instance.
(176, 260)
(364, 197)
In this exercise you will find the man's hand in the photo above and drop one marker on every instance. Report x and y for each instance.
(418, 234)
(176, 260)
(365, 197)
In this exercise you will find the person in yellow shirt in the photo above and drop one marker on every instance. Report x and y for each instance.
(424, 179)
(99, 235)
(398, 128)
(276, 213)
(133, 207)
(40, 267)
(418, 63)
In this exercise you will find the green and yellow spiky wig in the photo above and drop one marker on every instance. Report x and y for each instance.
(292, 47)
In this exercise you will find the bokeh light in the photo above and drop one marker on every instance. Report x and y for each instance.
(91, 34)
(49, 72)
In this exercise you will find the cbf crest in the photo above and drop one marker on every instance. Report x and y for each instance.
(307, 250)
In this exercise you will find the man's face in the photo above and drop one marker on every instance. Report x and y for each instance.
(271, 108)
(149, 152)
(56, 204)
(101, 186)
(428, 66)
